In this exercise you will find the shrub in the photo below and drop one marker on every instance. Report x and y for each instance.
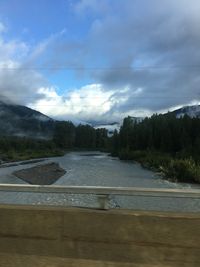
(183, 170)
(175, 169)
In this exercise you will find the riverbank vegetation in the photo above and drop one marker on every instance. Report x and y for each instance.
(18, 148)
(66, 137)
(163, 143)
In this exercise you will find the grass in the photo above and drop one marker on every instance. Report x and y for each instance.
(13, 155)
(183, 170)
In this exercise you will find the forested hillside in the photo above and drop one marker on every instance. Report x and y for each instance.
(21, 121)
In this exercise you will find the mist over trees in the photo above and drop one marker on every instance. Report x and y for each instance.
(68, 136)
(163, 133)
(162, 142)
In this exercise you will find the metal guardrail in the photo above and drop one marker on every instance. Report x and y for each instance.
(103, 193)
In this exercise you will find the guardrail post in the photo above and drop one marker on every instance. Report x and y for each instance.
(103, 202)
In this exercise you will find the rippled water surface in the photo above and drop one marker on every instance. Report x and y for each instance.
(98, 169)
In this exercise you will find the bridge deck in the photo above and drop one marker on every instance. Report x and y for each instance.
(55, 237)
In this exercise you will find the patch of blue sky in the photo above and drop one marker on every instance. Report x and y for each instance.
(66, 80)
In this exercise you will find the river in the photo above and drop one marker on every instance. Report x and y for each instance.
(99, 169)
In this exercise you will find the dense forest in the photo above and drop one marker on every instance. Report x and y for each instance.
(66, 137)
(163, 143)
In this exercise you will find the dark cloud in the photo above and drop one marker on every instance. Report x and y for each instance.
(144, 53)
(20, 80)
(21, 86)
(153, 45)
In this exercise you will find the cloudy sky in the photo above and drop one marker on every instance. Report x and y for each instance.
(100, 60)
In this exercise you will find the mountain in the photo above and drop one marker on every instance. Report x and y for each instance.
(16, 120)
(21, 121)
(191, 111)
(112, 126)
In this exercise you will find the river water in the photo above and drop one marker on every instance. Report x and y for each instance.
(98, 169)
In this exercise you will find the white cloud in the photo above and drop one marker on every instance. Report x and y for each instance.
(18, 85)
(2, 28)
(44, 46)
(95, 6)
(13, 50)
(122, 37)
(19, 81)
(87, 103)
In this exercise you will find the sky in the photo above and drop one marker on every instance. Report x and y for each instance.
(100, 60)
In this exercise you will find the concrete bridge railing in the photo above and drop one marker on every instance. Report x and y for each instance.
(103, 193)
(46, 236)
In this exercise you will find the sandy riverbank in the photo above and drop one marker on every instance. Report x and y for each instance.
(41, 175)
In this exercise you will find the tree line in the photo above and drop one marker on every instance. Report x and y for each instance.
(163, 142)
(69, 136)
(66, 136)
(164, 133)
